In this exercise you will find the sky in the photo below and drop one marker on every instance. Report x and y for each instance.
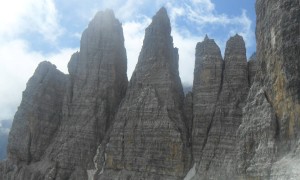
(32, 31)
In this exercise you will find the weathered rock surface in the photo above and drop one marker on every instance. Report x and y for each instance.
(148, 139)
(269, 134)
(36, 121)
(188, 112)
(206, 90)
(252, 68)
(39, 114)
(89, 125)
(218, 110)
(97, 84)
(61, 121)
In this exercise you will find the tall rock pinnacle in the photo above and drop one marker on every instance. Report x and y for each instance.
(241, 121)
(98, 82)
(219, 95)
(206, 89)
(148, 138)
(95, 87)
(37, 118)
(36, 122)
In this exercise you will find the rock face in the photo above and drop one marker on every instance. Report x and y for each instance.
(188, 111)
(206, 90)
(269, 134)
(39, 114)
(97, 84)
(252, 68)
(220, 90)
(62, 119)
(148, 139)
(241, 120)
(36, 121)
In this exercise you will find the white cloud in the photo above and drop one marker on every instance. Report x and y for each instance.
(17, 66)
(204, 5)
(23, 16)
(198, 13)
(17, 60)
(186, 46)
(134, 34)
(202, 13)
(128, 8)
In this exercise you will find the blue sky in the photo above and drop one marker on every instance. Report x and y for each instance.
(35, 30)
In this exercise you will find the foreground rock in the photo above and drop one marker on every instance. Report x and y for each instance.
(252, 68)
(148, 139)
(269, 135)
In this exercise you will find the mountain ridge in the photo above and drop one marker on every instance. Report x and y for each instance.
(240, 121)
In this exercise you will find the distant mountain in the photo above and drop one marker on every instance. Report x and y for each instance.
(4, 130)
(187, 88)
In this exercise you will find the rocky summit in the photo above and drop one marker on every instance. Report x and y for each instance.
(63, 118)
(148, 139)
(220, 91)
(241, 119)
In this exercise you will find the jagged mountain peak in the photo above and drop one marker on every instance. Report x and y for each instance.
(235, 46)
(236, 39)
(105, 16)
(105, 13)
(160, 23)
(208, 47)
(90, 125)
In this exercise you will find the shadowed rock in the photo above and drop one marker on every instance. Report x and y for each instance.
(269, 135)
(39, 114)
(206, 90)
(36, 121)
(89, 125)
(223, 111)
(149, 138)
(252, 68)
(74, 122)
(96, 86)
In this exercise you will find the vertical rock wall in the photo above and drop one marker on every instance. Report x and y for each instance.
(150, 130)
(36, 122)
(62, 120)
(39, 114)
(252, 68)
(269, 134)
(206, 91)
(218, 110)
(96, 86)
(149, 137)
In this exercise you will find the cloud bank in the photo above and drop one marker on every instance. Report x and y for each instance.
(17, 60)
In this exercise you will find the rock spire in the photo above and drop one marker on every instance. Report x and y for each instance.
(149, 138)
